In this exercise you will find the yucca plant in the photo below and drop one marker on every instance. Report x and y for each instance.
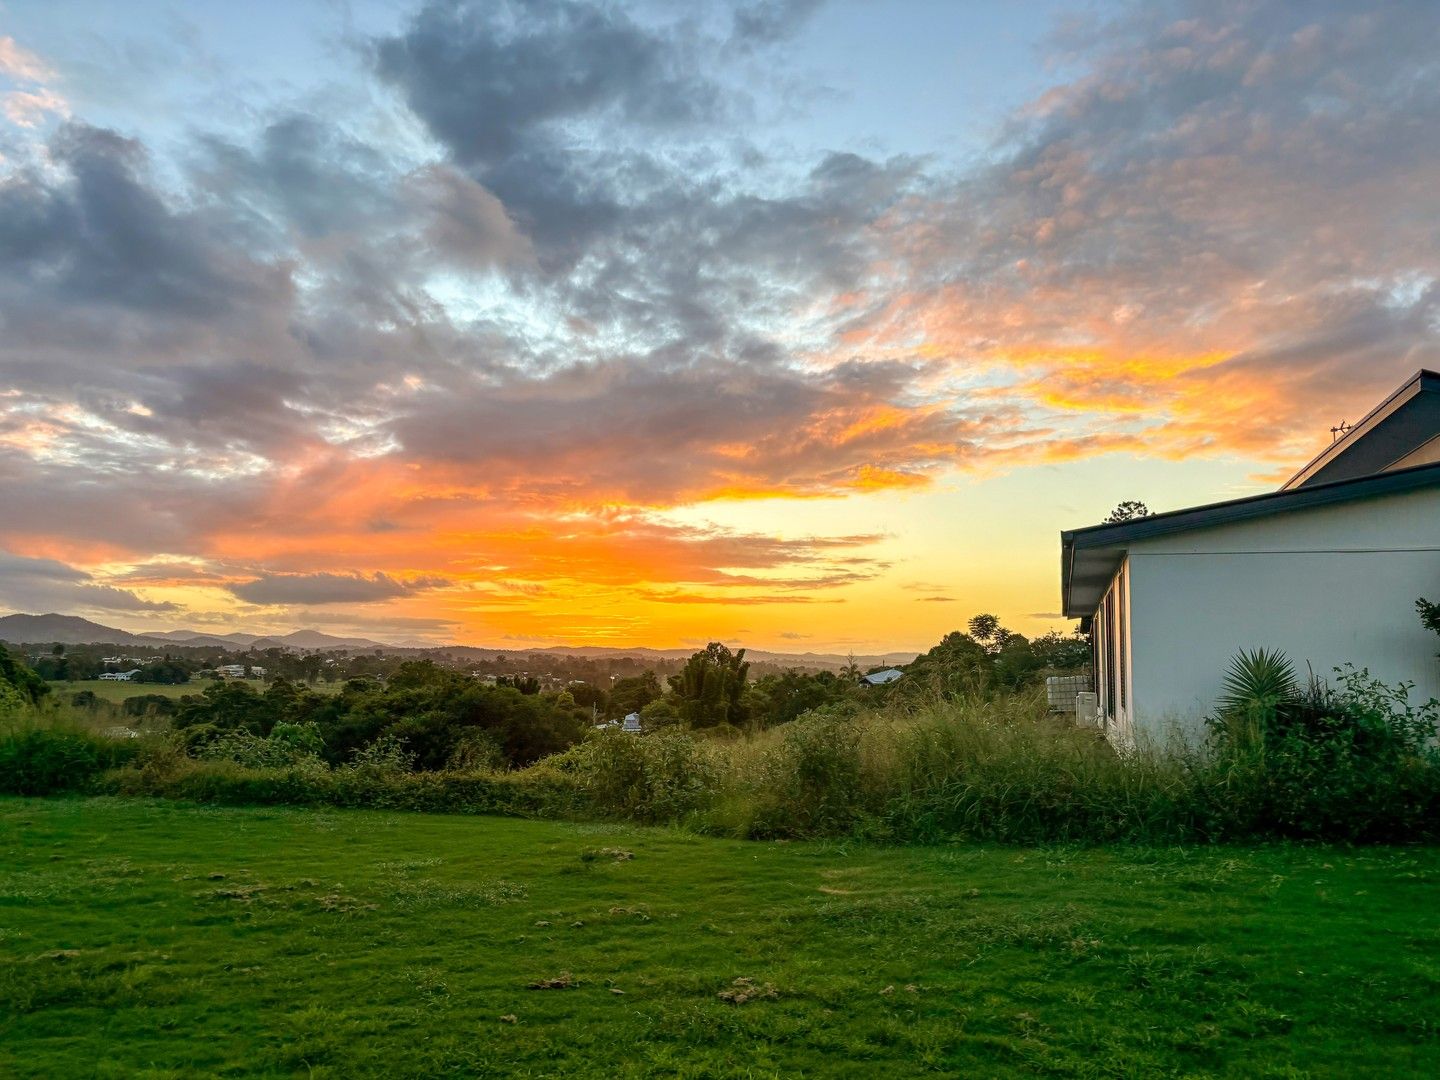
(1255, 692)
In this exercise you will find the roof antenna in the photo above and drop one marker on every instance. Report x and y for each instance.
(1340, 430)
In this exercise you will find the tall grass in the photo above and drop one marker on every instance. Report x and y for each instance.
(922, 771)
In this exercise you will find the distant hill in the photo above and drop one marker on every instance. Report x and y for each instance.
(191, 637)
(313, 639)
(66, 629)
(73, 630)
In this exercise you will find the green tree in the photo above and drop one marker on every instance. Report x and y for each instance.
(958, 664)
(166, 672)
(587, 695)
(710, 688)
(986, 629)
(1429, 614)
(1128, 510)
(781, 698)
(26, 683)
(632, 694)
(1062, 652)
(658, 714)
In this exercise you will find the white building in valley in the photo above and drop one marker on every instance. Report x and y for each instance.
(1327, 569)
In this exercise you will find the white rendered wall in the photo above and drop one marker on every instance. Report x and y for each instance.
(1326, 586)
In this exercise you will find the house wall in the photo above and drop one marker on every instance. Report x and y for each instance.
(1327, 586)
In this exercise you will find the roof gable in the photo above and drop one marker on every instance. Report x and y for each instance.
(1387, 437)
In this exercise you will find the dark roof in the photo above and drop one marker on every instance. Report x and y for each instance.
(1089, 557)
(1399, 425)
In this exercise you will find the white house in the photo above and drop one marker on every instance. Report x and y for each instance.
(631, 723)
(1326, 569)
(119, 676)
(880, 678)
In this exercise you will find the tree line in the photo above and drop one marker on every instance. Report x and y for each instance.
(441, 717)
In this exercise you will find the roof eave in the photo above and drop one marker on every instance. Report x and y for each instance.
(1120, 535)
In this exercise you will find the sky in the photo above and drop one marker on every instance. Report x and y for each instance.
(796, 324)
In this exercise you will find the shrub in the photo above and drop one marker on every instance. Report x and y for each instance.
(385, 756)
(1354, 762)
(41, 761)
(666, 776)
(286, 745)
(810, 783)
(146, 704)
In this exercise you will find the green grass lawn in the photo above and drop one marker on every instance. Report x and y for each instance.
(156, 940)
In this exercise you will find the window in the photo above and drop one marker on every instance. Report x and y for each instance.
(1122, 636)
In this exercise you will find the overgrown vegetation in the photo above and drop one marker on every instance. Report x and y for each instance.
(151, 939)
(947, 752)
(1355, 760)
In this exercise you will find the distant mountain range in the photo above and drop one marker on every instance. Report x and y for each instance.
(73, 630)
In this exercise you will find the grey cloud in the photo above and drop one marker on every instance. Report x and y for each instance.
(490, 81)
(105, 237)
(326, 588)
(43, 585)
(465, 223)
(303, 174)
(768, 22)
(593, 426)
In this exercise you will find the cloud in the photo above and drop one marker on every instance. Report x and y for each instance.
(487, 82)
(27, 108)
(768, 22)
(40, 585)
(303, 175)
(466, 224)
(328, 588)
(1203, 242)
(19, 63)
(101, 241)
(507, 342)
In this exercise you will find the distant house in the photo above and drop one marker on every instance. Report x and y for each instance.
(1326, 569)
(880, 678)
(119, 676)
(631, 723)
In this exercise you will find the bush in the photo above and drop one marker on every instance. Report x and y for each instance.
(286, 745)
(42, 761)
(145, 704)
(667, 776)
(810, 783)
(1355, 762)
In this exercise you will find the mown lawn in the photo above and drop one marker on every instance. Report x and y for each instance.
(149, 939)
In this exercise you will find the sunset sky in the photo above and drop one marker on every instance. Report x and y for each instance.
(798, 325)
